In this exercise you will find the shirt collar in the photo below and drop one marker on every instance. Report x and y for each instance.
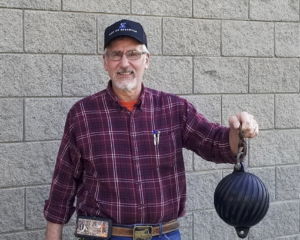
(114, 97)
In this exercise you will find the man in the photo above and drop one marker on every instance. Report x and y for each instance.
(121, 152)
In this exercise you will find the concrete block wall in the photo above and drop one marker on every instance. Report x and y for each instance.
(224, 56)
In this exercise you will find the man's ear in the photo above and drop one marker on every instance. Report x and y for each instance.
(105, 62)
(147, 61)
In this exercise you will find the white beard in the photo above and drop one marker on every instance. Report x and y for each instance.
(125, 84)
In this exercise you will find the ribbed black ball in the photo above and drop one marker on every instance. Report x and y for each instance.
(241, 200)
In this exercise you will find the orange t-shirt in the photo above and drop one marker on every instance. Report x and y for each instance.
(129, 105)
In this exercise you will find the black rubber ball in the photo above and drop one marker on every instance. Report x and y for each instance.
(241, 200)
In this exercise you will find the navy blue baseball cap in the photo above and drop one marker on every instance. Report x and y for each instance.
(125, 28)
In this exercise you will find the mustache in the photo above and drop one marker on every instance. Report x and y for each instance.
(125, 70)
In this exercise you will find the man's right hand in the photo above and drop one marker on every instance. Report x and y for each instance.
(54, 231)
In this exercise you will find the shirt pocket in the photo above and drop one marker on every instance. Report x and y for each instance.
(165, 149)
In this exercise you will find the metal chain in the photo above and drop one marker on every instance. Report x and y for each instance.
(242, 143)
(242, 149)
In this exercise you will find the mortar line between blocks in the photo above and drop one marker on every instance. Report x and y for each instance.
(221, 39)
(193, 75)
(130, 6)
(24, 119)
(276, 169)
(162, 36)
(221, 120)
(274, 40)
(299, 210)
(193, 9)
(62, 76)
(274, 113)
(299, 78)
(249, 75)
(249, 10)
(193, 228)
(97, 36)
(23, 29)
(25, 203)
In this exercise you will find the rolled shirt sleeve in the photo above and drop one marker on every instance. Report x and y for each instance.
(60, 206)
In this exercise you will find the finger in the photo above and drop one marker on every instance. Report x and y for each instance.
(250, 126)
(234, 122)
(253, 130)
(247, 121)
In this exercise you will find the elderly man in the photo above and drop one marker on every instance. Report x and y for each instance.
(121, 152)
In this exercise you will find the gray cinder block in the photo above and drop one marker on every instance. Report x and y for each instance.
(45, 118)
(287, 111)
(12, 211)
(269, 75)
(226, 9)
(200, 102)
(275, 148)
(259, 105)
(183, 36)
(11, 120)
(287, 39)
(276, 10)
(200, 196)
(287, 188)
(221, 75)
(60, 32)
(27, 163)
(113, 6)
(170, 74)
(30, 75)
(83, 75)
(35, 200)
(11, 33)
(36, 4)
(163, 8)
(245, 38)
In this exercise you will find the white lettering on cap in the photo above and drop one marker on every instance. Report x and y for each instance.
(128, 29)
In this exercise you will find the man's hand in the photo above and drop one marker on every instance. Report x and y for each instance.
(250, 129)
(54, 231)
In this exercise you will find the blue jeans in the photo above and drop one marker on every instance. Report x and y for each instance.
(175, 235)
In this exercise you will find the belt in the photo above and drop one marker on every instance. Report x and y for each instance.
(144, 231)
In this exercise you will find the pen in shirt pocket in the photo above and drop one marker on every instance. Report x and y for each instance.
(156, 134)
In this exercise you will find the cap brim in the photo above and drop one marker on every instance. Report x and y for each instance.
(123, 35)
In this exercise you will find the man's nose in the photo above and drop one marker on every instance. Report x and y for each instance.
(124, 62)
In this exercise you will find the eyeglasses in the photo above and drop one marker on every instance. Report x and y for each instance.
(130, 55)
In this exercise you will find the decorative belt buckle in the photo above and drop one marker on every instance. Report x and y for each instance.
(93, 227)
(142, 232)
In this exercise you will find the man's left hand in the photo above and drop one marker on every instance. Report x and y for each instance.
(250, 129)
